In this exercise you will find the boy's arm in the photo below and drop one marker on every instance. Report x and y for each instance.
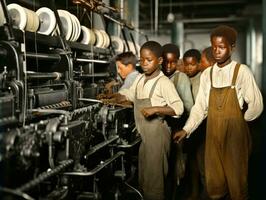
(171, 98)
(199, 111)
(252, 95)
(184, 90)
(158, 110)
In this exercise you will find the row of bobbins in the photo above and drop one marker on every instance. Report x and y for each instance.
(43, 21)
(120, 45)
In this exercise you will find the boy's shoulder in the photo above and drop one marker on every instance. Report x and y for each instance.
(164, 78)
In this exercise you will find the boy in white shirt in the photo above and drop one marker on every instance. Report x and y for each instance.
(154, 96)
(224, 88)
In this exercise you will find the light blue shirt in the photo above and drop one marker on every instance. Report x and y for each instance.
(183, 87)
(129, 80)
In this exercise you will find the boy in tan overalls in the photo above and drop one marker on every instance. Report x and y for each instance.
(224, 88)
(154, 96)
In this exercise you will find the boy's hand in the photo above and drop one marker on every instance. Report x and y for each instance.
(179, 136)
(107, 96)
(149, 111)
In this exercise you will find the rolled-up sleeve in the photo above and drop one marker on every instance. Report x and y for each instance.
(171, 97)
(251, 94)
(129, 93)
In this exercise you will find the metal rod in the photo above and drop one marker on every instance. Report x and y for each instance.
(156, 7)
(45, 175)
(94, 75)
(44, 75)
(16, 193)
(101, 145)
(125, 38)
(201, 3)
(203, 20)
(90, 100)
(44, 56)
(9, 29)
(91, 60)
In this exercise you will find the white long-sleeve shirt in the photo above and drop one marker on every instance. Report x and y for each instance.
(164, 93)
(246, 89)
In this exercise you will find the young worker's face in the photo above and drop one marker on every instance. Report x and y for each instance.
(191, 66)
(221, 50)
(204, 62)
(123, 70)
(149, 61)
(169, 63)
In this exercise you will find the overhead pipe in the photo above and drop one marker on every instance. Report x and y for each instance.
(203, 20)
(200, 3)
(156, 7)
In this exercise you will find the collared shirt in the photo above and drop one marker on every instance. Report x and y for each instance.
(183, 87)
(129, 80)
(246, 89)
(164, 93)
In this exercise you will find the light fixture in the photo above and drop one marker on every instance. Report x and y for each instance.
(170, 16)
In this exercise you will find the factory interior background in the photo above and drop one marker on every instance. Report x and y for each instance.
(57, 141)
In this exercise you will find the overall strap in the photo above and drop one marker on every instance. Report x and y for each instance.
(153, 87)
(137, 84)
(211, 76)
(235, 74)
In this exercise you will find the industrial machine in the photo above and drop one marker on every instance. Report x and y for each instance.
(56, 140)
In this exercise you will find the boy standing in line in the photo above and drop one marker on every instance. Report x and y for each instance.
(224, 88)
(182, 84)
(154, 96)
(181, 81)
(191, 60)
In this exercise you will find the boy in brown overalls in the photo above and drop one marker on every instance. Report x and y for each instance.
(224, 88)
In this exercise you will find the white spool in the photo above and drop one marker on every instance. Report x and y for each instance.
(74, 26)
(87, 36)
(66, 23)
(99, 38)
(117, 44)
(18, 15)
(92, 38)
(106, 39)
(47, 20)
(33, 22)
(77, 27)
(23, 18)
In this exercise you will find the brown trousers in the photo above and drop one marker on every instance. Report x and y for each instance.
(227, 145)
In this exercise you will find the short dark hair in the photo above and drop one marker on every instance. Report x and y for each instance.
(193, 53)
(153, 46)
(171, 48)
(228, 32)
(126, 58)
(208, 52)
